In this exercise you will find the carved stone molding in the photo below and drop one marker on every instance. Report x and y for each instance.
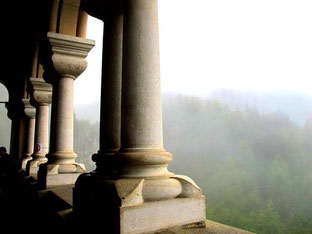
(69, 54)
(29, 110)
(41, 92)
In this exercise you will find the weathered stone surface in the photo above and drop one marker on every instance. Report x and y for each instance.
(65, 192)
(33, 168)
(130, 191)
(189, 187)
(122, 206)
(152, 216)
(30, 111)
(57, 180)
(41, 92)
(161, 189)
(69, 54)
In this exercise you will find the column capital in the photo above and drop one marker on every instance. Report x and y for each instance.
(29, 110)
(69, 53)
(41, 92)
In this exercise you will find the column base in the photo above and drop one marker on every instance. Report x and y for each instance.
(119, 206)
(33, 171)
(25, 161)
(32, 166)
(49, 176)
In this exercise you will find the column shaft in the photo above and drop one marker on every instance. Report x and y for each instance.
(142, 153)
(141, 93)
(110, 119)
(64, 131)
(31, 135)
(62, 149)
(29, 144)
(41, 133)
(111, 85)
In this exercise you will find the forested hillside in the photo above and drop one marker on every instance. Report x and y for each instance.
(255, 169)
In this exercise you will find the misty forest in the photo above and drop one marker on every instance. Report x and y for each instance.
(253, 163)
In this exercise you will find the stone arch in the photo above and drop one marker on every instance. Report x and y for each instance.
(67, 17)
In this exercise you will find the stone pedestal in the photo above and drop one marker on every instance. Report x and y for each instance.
(118, 206)
(67, 63)
(41, 96)
(134, 192)
(30, 113)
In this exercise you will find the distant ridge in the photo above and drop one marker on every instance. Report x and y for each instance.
(297, 106)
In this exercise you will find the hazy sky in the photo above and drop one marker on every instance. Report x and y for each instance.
(234, 44)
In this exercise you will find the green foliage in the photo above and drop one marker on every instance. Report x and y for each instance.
(254, 168)
(265, 220)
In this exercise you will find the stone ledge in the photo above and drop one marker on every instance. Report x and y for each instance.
(64, 192)
(211, 228)
(60, 199)
(152, 216)
(49, 181)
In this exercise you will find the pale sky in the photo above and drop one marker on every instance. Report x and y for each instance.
(263, 45)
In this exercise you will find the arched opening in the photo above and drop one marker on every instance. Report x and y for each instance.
(87, 99)
(5, 122)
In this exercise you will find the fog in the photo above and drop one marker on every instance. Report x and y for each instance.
(252, 160)
(237, 107)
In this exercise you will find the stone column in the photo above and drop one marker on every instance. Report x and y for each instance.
(142, 139)
(30, 113)
(41, 97)
(81, 30)
(110, 119)
(68, 62)
(142, 195)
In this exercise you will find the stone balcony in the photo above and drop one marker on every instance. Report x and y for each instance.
(52, 209)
